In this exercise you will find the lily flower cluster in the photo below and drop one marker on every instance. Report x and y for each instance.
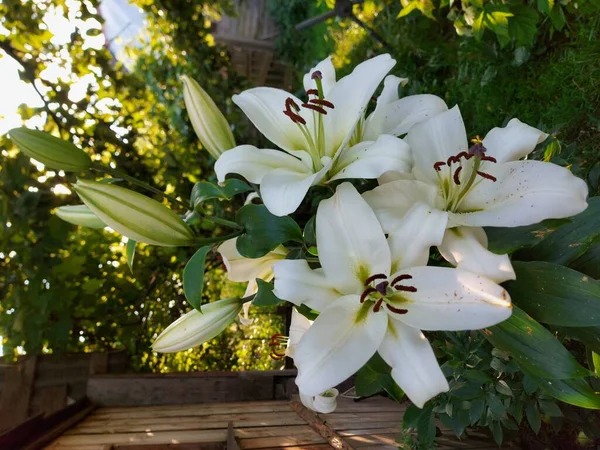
(370, 286)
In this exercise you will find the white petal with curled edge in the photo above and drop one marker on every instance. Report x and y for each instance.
(466, 248)
(297, 283)
(398, 117)
(434, 140)
(422, 228)
(240, 268)
(526, 192)
(340, 341)
(298, 327)
(389, 94)
(264, 107)
(328, 76)
(254, 163)
(371, 159)
(283, 190)
(414, 366)
(451, 300)
(515, 141)
(351, 243)
(391, 201)
(350, 97)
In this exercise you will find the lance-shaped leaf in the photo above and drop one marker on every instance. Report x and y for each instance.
(193, 277)
(576, 391)
(130, 252)
(555, 294)
(134, 215)
(79, 215)
(51, 151)
(264, 231)
(533, 347)
(204, 190)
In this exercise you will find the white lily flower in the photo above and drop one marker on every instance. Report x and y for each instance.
(485, 185)
(374, 295)
(195, 327)
(314, 136)
(241, 269)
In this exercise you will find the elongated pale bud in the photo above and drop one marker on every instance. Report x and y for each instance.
(134, 215)
(50, 151)
(209, 123)
(79, 215)
(195, 327)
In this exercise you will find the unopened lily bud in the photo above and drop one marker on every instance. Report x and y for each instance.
(134, 215)
(50, 151)
(209, 123)
(195, 327)
(79, 215)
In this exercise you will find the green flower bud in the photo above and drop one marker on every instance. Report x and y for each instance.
(195, 327)
(209, 123)
(79, 215)
(51, 151)
(134, 215)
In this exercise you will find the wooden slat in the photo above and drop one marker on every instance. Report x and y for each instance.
(276, 419)
(256, 432)
(340, 420)
(281, 441)
(319, 426)
(371, 425)
(367, 431)
(159, 437)
(372, 439)
(49, 399)
(191, 406)
(16, 393)
(56, 446)
(304, 447)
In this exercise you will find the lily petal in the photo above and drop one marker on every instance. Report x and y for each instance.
(283, 190)
(451, 300)
(297, 283)
(422, 228)
(352, 246)
(254, 163)
(398, 117)
(436, 139)
(350, 96)
(328, 76)
(240, 268)
(342, 339)
(389, 94)
(466, 248)
(298, 327)
(414, 366)
(371, 159)
(513, 142)
(526, 192)
(391, 201)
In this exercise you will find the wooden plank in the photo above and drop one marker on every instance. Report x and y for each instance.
(56, 446)
(191, 406)
(341, 420)
(371, 426)
(281, 441)
(98, 363)
(159, 437)
(16, 393)
(376, 404)
(278, 419)
(50, 399)
(256, 432)
(320, 426)
(372, 439)
(367, 431)
(142, 390)
(304, 447)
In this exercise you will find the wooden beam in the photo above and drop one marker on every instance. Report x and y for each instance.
(16, 393)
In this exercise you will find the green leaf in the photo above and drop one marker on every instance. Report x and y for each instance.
(204, 190)
(590, 336)
(507, 240)
(589, 262)
(408, 9)
(476, 410)
(265, 296)
(557, 17)
(533, 416)
(497, 433)
(310, 233)
(571, 241)
(367, 382)
(533, 347)
(596, 363)
(477, 376)
(522, 25)
(545, 6)
(130, 253)
(375, 376)
(555, 294)
(574, 392)
(193, 277)
(426, 428)
(496, 17)
(503, 388)
(496, 406)
(550, 408)
(264, 231)
(310, 314)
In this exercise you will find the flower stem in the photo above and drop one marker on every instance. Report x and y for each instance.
(225, 222)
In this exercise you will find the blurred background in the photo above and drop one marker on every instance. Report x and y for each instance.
(107, 75)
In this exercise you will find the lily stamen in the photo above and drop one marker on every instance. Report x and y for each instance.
(399, 287)
(396, 310)
(377, 276)
(321, 102)
(401, 278)
(377, 305)
(312, 92)
(486, 175)
(456, 176)
(366, 293)
(278, 341)
(316, 108)
(438, 165)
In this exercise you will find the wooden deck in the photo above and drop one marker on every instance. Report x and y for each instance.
(368, 424)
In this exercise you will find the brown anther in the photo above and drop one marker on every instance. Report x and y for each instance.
(312, 92)
(382, 287)
(296, 118)
(456, 176)
(486, 175)
(396, 310)
(438, 165)
(366, 293)
(377, 276)
(276, 356)
(377, 305)
(399, 287)
(290, 103)
(316, 75)
(318, 101)
(488, 158)
(316, 108)
(401, 278)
